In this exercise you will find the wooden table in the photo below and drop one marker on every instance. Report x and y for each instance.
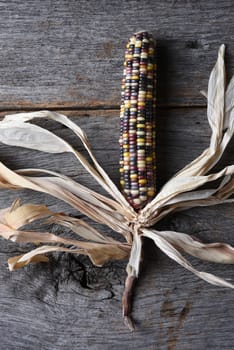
(67, 56)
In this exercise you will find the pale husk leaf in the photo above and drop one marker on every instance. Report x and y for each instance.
(97, 254)
(19, 215)
(163, 244)
(111, 219)
(36, 255)
(221, 119)
(213, 252)
(18, 125)
(184, 201)
(77, 189)
(177, 186)
(135, 256)
(54, 187)
(102, 250)
(15, 263)
(80, 227)
(229, 100)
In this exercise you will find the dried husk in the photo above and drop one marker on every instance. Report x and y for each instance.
(179, 193)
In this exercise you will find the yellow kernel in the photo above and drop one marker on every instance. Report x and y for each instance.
(142, 181)
(141, 140)
(128, 56)
(138, 43)
(150, 193)
(127, 104)
(149, 96)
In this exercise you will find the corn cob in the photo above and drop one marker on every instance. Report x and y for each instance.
(137, 121)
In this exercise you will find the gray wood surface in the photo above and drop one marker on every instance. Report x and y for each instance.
(70, 53)
(67, 56)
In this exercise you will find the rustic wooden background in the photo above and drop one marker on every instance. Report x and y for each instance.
(67, 56)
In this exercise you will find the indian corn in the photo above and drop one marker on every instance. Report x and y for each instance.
(137, 121)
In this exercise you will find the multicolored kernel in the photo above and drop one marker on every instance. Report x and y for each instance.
(137, 121)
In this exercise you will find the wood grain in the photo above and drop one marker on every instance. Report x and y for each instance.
(69, 304)
(67, 56)
(70, 54)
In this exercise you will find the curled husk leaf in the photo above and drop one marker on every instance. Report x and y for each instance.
(179, 193)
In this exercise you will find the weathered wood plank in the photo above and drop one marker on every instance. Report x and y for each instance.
(70, 54)
(69, 304)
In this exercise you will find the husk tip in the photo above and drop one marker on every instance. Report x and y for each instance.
(222, 50)
(129, 323)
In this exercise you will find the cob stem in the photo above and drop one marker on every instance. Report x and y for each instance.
(127, 301)
(130, 283)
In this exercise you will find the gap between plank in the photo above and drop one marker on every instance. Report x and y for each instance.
(33, 108)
